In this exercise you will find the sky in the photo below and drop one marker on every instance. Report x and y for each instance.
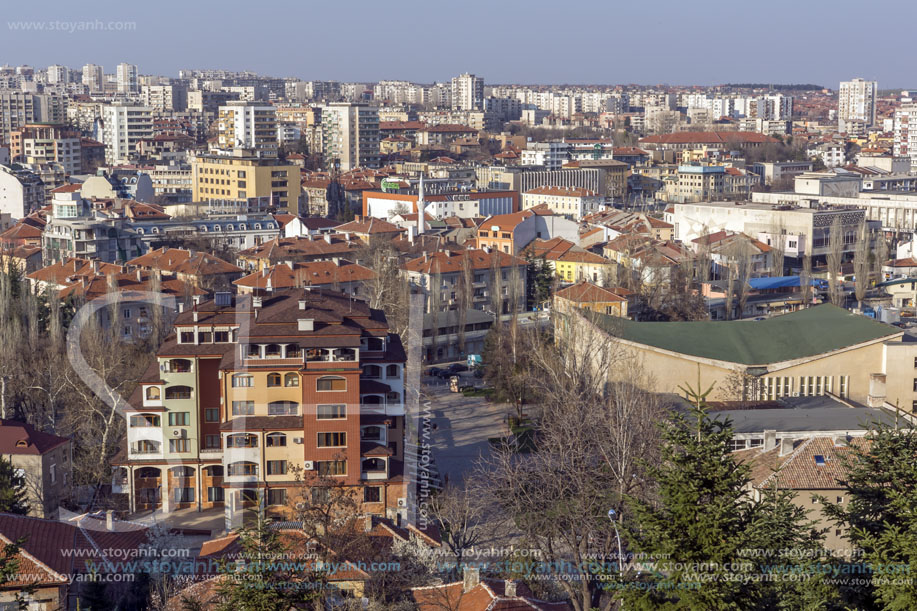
(700, 42)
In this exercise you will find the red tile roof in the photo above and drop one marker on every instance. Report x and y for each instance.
(562, 191)
(306, 274)
(586, 292)
(725, 137)
(22, 438)
(446, 262)
(181, 261)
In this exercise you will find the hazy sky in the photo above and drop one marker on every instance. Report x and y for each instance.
(505, 41)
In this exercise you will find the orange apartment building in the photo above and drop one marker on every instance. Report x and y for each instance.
(250, 389)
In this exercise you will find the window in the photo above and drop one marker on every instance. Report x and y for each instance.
(53, 474)
(332, 440)
(178, 392)
(372, 371)
(243, 468)
(243, 408)
(282, 408)
(186, 337)
(221, 337)
(276, 467)
(178, 366)
(183, 495)
(371, 433)
(372, 494)
(332, 467)
(153, 393)
(242, 440)
(144, 420)
(205, 337)
(276, 440)
(215, 494)
(241, 380)
(179, 418)
(374, 344)
(321, 495)
(179, 445)
(290, 380)
(277, 496)
(332, 383)
(273, 379)
(374, 464)
(212, 414)
(330, 412)
(212, 442)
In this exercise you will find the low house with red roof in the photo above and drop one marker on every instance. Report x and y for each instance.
(57, 557)
(586, 295)
(510, 233)
(571, 202)
(311, 247)
(197, 268)
(369, 228)
(729, 249)
(476, 594)
(725, 140)
(341, 275)
(44, 460)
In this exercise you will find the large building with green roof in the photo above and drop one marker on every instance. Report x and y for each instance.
(823, 350)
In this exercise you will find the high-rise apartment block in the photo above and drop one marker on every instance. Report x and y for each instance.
(467, 92)
(350, 134)
(124, 126)
(248, 125)
(93, 78)
(857, 101)
(127, 78)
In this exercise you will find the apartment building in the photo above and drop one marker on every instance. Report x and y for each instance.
(248, 125)
(571, 202)
(696, 183)
(242, 181)
(350, 135)
(857, 101)
(47, 143)
(442, 276)
(467, 92)
(18, 108)
(123, 127)
(551, 155)
(44, 461)
(165, 97)
(93, 78)
(905, 126)
(127, 78)
(251, 389)
(21, 192)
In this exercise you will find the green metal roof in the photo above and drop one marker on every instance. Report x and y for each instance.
(816, 330)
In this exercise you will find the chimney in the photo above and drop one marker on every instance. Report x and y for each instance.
(194, 312)
(306, 324)
(181, 307)
(139, 276)
(347, 236)
(302, 304)
(256, 302)
(95, 267)
(110, 520)
(470, 579)
(197, 299)
(786, 446)
(770, 440)
(328, 238)
(509, 588)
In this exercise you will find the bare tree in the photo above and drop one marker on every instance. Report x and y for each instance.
(387, 289)
(743, 275)
(496, 286)
(730, 290)
(805, 280)
(861, 263)
(461, 520)
(834, 260)
(779, 248)
(880, 256)
(464, 297)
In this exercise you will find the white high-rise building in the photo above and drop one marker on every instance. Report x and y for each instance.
(58, 75)
(857, 101)
(350, 134)
(93, 77)
(124, 125)
(906, 132)
(127, 78)
(248, 125)
(467, 92)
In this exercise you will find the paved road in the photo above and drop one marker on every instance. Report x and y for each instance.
(463, 425)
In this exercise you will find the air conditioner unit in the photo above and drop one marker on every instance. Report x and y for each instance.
(402, 502)
(308, 465)
(178, 433)
(297, 440)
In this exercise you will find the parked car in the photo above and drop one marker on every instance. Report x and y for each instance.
(436, 372)
(456, 368)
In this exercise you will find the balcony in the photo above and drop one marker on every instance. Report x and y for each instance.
(331, 355)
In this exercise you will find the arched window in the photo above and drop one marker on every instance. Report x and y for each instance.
(392, 371)
(242, 440)
(275, 440)
(242, 380)
(153, 393)
(146, 472)
(257, 225)
(214, 470)
(243, 468)
(272, 350)
(241, 226)
(371, 433)
(140, 230)
(229, 228)
(294, 351)
(155, 229)
(291, 379)
(372, 371)
(332, 383)
(182, 471)
(282, 408)
(178, 392)
(216, 228)
(273, 379)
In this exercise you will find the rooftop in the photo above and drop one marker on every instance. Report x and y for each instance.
(806, 333)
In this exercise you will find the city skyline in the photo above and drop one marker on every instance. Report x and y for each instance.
(408, 41)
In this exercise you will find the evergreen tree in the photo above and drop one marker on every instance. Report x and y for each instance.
(270, 579)
(881, 517)
(704, 522)
(95, 596)
(12, 489)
